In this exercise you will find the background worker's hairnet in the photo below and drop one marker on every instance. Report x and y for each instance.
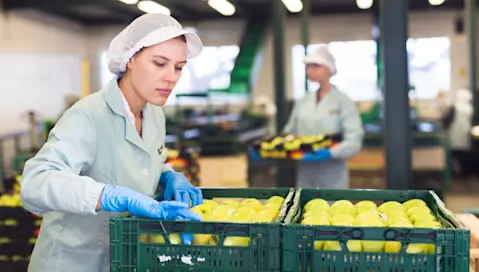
(145, 31)
(322, 56)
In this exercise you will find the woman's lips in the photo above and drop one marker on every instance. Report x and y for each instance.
(163, 91)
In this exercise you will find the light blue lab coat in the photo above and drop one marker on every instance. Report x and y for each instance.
(92, 144)
(335, 113)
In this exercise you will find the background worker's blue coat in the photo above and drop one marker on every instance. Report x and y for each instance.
(91, 145)
(335, 113)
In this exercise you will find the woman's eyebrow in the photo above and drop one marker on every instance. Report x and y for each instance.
(167, 59)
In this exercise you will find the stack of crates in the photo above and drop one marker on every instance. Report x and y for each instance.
(285, 245)
(18, 232)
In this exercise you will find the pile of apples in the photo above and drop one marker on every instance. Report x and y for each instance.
(250, 210)
(413, 213)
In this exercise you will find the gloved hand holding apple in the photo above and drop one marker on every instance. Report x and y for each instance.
(178, 187)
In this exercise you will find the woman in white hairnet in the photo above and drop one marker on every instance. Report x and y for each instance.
(105, 155)
(325, 111)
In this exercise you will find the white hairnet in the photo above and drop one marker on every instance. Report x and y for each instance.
(144, 31)
(322, 56)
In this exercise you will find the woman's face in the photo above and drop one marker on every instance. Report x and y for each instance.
(317, 72)
(155, 70)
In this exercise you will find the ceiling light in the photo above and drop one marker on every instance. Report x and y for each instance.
(129, 2)
(364, 4)
(293, 6)
(436, 2)
(153, 7)
(224, 7)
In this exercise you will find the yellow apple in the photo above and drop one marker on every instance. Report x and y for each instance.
(275, 199)
(354, 245)
(332, 246)
(144, 238)
(390, 205)
(399, 219)
(316, 221)
(157, 239)
(428, 248)
(368, 215)
(276, 206)
(232, 203)
(422, 217)
(365, 205)
(418, 210)
(414, 203)
(317, 214)
(342, 207)
(246, 210)
(268, 212)
(236, 241)
(239, 218)
(175, 239)
(396, 213)
(370, 245)
(251, 202)
(201, 239)
(204, 239)
(415, 249)
(209, 202)
(393, 246)
(202, 209)
(316, 204)
(342, 218)
(224, 209)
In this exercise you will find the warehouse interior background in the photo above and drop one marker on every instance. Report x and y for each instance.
(51, 51)
(399, 61)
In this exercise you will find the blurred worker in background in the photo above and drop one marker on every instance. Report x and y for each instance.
(105, 156)
(460, 131)
(325, 111)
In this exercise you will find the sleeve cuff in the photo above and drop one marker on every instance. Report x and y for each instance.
(94, 191)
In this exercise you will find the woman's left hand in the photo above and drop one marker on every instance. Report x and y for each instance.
(320, 155)
(177, 187)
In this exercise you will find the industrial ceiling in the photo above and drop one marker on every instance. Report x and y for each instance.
(106, 12)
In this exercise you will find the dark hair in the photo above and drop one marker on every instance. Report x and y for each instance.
(182, 37)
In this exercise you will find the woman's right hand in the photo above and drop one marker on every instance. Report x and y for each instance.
(116, 198)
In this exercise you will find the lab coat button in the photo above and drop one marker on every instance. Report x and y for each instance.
(145, 172)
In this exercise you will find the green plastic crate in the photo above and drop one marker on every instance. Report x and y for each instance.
(298, 254)
(128, 253)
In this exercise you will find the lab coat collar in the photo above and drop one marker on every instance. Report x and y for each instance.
(114, 99)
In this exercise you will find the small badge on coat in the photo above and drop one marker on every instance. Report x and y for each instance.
(160, 150)
(334, 112)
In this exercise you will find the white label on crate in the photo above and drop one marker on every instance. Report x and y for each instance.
(200, 259)
(186, 260)
(164, 258)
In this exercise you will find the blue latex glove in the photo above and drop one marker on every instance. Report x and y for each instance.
(319, 155)
(177, 187)
(121, 199)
